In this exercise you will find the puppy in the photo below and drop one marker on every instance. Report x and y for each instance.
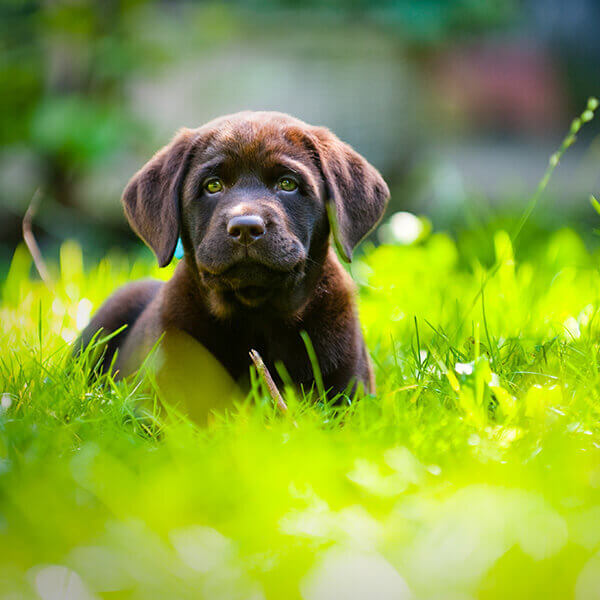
(254, 197)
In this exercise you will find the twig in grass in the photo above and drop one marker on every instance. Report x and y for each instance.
(30, 241)
(268, 379)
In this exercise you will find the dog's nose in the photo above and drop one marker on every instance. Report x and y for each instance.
(246, 228)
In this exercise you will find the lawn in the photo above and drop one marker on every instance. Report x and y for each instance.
(473, 473)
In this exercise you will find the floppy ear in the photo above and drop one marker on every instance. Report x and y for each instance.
(356, 193)
(151, 198)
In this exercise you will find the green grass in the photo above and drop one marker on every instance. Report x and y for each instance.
(474, 472)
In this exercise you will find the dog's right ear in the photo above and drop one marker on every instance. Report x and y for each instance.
(151, 198)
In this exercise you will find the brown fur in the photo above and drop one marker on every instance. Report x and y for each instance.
(232, 296)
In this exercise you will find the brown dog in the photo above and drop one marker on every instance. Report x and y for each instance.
(254, 197)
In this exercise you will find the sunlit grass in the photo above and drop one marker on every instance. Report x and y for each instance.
(475, 472)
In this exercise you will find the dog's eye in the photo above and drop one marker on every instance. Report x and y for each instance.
(287, 184)
(214, 185)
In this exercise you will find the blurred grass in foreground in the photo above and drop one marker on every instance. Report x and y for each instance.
(474, 473)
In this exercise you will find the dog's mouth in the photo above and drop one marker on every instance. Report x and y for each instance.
(251, 283)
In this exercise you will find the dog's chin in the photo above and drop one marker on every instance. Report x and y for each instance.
(250, 285)
(252, 296)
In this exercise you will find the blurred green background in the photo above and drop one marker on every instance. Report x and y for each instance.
(458, 103)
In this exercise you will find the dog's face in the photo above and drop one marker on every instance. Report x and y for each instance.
(252, 213)
(254, 197)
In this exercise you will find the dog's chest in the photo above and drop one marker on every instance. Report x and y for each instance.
(276, 344)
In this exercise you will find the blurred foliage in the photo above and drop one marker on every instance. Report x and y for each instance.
(473, 473)
(425, 23)
(84, 51)
(64, 66)
(75, 51)
(63, 70)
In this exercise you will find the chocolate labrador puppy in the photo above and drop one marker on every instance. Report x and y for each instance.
(254, 197)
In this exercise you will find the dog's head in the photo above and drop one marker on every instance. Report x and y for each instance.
(253, 197)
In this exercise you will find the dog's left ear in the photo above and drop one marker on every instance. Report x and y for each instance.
(356, 193)
(151, 198)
